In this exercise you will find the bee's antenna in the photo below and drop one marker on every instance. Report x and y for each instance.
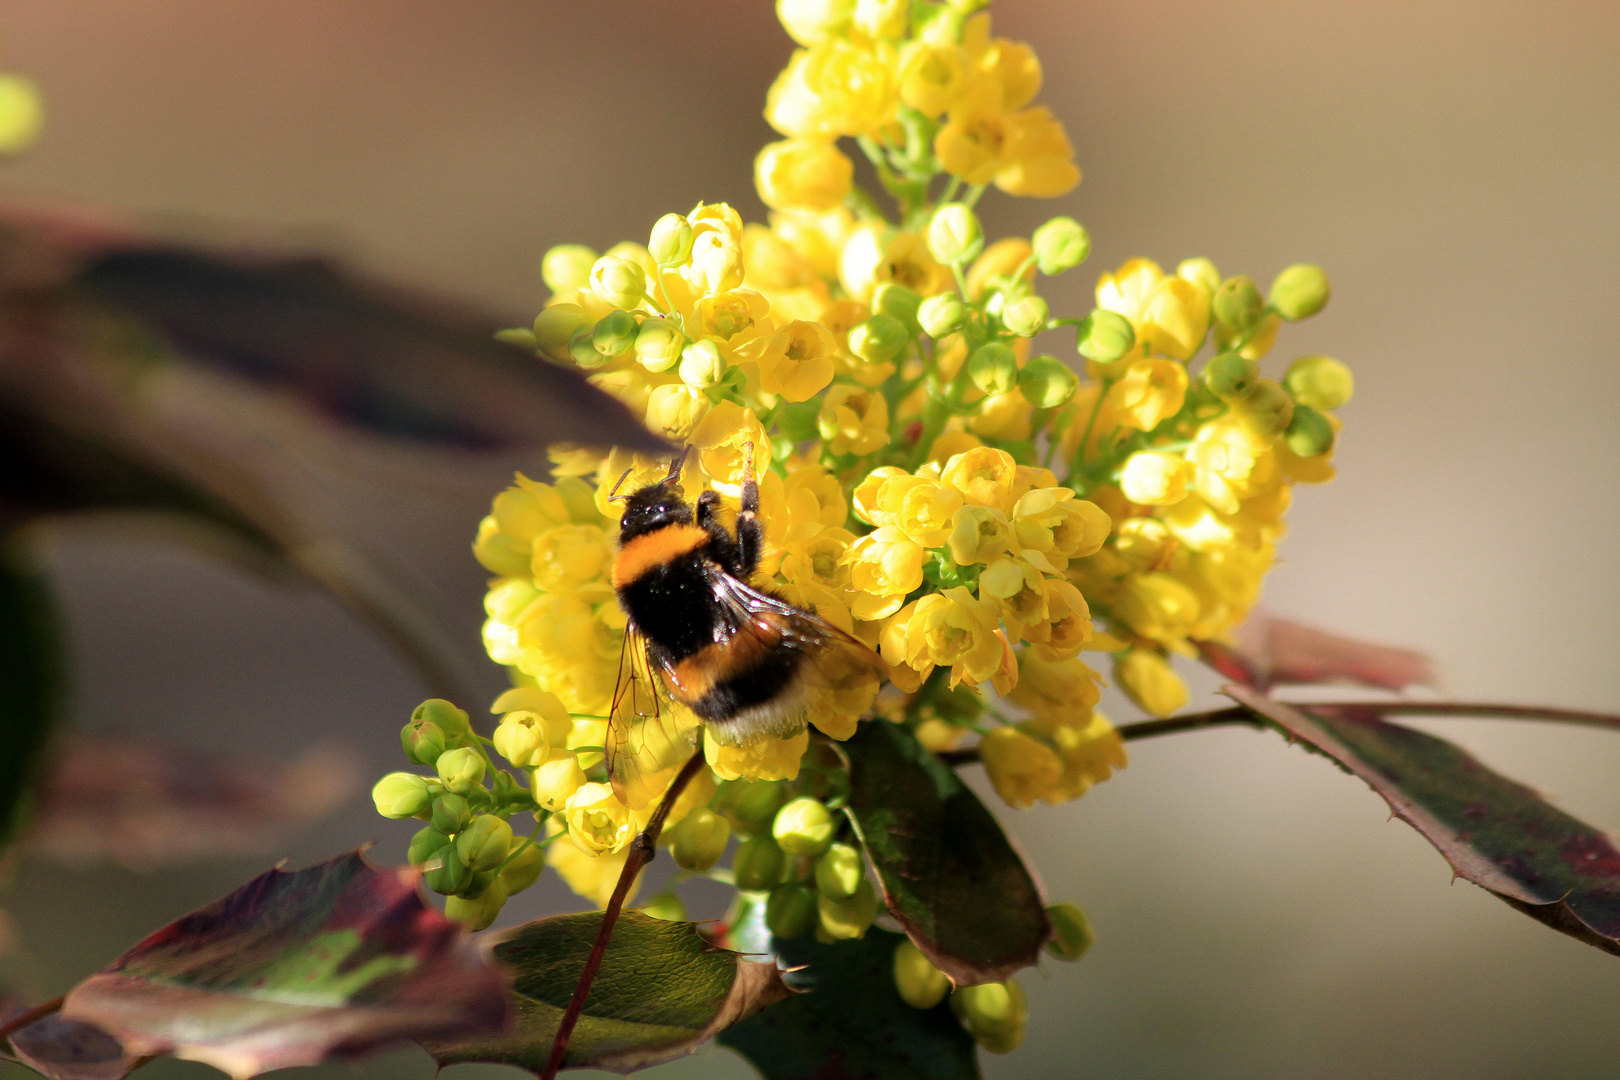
(614, 496)
(677, 463)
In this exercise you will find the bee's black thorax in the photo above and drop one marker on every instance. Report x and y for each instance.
(674, 607)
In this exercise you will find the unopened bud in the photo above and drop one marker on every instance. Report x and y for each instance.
(1200, 271)
(1268, 408)
(1025, 316)
(671, 240)
(803, 827)
(451, 720)
(954, 234)
(1319, 381)
(666, 906)
(461, 769)
(582, 348)
(894, 299)
(993, 368)
(758, 863)
(555, 327)
(849, 917)
(879, 339)
(1071, 932)
(1299, 292)
(477, 912)
(1061, 244)
(756, 804)
(700, 839)
(1308, 434)
(993, 1013)
(1046, 382)
(790, 911)
(1105, 336)
(1238, 303)
(566, 266)
(523, 866)
(615, 335)
(1230, 376)
(450, 813)
(424, 844)
(618, 282)
(839, 872)
(422, 741)
(1148, 679)
(483, 844)
(446, 873)
(921, 984)
(555, 779)
(401, 795)
(941, 315)
(659, 345)
(702, 366)
(521, 739)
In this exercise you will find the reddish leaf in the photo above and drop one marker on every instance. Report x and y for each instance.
(1272, 651)
(295, 968)
(66, 1049)
(1494, 832)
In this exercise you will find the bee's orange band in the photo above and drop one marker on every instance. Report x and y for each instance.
(654, 549)
(704, 669)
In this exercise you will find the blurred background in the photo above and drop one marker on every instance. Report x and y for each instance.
(1455, 166)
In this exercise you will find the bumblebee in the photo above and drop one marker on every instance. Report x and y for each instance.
(745, 662)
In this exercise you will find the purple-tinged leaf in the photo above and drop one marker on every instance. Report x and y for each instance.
(949, 874)
(1494, 832)
(64, 1049)
(662, 992)
(1275, 651)
(296, 968)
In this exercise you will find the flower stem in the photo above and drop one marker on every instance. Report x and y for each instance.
(642, 850)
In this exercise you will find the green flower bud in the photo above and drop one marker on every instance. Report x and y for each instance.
(616, 334)
(1267, 408)
(839, 872)
(941, 315)
(702, 366)
(422, 741)
(790, 911)
(1200, 271)
(1300, 292)
(1071, 933)
(522, 869)
(1308, 433)
(450, 813)
(993, 368)
(921, 984)
(446, 873)
(461, 769)
(477, 912)
(618, 282)
(1230, 376)
(1025, 316)
(424, 844)
(451, 720)
(1061, 244)
(954, 234)
(700, 839)
(567, 266)
(756, 804)
(1319, 381)
(666, 906)
(879, 339)
(483, 844)
(520, 336)
(758, 863)
(895, 300)
(993, 1013)
(1046, 382)
(671, 240)
(401, 795)
(849, 917)
(1238, 303)
(555, 327)
(803, 827)
(1105, 336)
(582, 348)
(659, 344)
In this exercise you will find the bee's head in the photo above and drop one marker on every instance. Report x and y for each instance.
(652, 508)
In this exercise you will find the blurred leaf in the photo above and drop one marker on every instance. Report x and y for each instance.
(143, 804)
(65, 1049)
(1494, 832)
(30, 678)
(661, 992)
(850, 1021)
(1274, 651)
(295, 968)
(949, 874)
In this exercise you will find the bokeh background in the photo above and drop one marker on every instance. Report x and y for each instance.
(1455, 165)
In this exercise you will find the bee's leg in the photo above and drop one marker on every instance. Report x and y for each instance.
(750, 534)
(720, 541)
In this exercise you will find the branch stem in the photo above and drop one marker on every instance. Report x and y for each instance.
(642, 850)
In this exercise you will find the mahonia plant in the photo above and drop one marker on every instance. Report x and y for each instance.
(979, 513)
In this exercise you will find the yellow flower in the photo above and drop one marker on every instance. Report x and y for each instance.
(522, 738)
(885, 565)
(736, 320)
(951, 628)
(763, 759)
(1145, 544)
(835, 87)
(1150, 391)
(1003, 416)
(716, 262)
(593, 877)
(1047, 686)
(1154, 479)
(1088, 747)
(1176, 318)
(555, 779)
(932, 77)
(571, 556)
(1232, 462)
(984, 476)
(1052, 522)
(1021, 769)
(724, 439)
(820, 560)
(1018, 591)
(1036, 157)
(926, 512)
(814, 495)
(810, 21)
(978, 533)
(854, 420)
(1150, 681)
(873, 254)
(1000, 259)
(537, 702)
(803, 174)
(1068, 625)
(1158, 606)
(674, 409)
(818, 238)
(801, 365)
(597, 821)
(637, 471)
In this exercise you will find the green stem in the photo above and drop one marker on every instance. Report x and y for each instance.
(951, 188)
(974, 194)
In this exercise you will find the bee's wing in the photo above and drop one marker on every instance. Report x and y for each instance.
(649, 736)
(838, 660)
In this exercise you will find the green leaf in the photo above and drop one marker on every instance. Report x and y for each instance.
(850, 1021)
(949, 874)
(295, 968)
(30, 678)
(662, 990)
(1493, 831)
